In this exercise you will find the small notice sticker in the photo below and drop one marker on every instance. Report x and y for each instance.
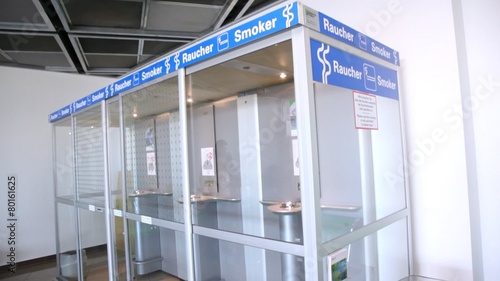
(365, 111)
(117, 213)
(146, 220)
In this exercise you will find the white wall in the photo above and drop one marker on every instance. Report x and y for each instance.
(423, 33)
(26, 99)
(481, 22)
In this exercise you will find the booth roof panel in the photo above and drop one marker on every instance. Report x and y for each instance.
(153, 100)
(278, 57)
(249, 72)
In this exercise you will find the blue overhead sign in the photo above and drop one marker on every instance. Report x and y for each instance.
(356, 39)
(335, 67)
(272, 22)
(240, 35)
(61, 113)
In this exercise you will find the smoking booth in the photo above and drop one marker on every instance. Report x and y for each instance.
(271, 149)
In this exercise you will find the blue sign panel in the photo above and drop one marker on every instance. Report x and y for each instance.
(335, 67)
(357, 39)
(138, 78)
(267, 24)
(257, 28)
(61, 113)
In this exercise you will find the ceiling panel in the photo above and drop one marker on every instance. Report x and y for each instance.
(107, 37)
(110, 61)
(19, 11)
(111, 45)
(49, 60)
(20, 42)
(159, 47)
(182, 17)
(104, 13)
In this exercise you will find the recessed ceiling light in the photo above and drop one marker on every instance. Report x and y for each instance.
(282, 75)
(190, 100)
(134, 114)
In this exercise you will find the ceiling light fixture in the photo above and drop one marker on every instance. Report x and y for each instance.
(282, 75)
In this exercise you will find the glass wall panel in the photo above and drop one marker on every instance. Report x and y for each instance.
(361, 170)
(157, 253)
(153, 160)
(114, 152)
(92, 233)
(242, 137)
(114, 155)
(237, 262)
(63, 159)
(67, 240)
(120, 253)
(377, 257)
(89, 153)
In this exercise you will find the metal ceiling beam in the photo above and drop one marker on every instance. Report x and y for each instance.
(189, 5)
(29, 28)
(145, 11)
(43, 14)
(59, 21)
(225, 12)
(22, 65)
(66, 53)
(108, 71)
(140, 51)
(244, 9)
(61, 69)
(79, 52)
(62, 14)
(6, 56)
(173, 36)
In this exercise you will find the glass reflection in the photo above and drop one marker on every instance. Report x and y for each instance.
(243, 146)
(153, 163)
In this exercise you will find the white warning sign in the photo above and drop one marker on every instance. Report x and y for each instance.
(365, 111)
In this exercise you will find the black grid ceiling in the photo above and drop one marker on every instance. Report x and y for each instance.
(107, 37)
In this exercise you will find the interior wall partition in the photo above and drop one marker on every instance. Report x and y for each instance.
(279, 159)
